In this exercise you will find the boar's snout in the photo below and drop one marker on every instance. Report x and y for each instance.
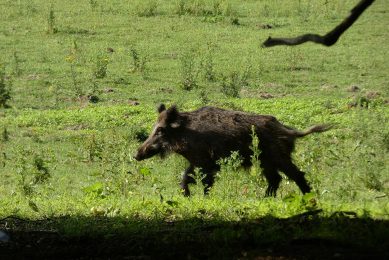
(146, 151)
(141, 154)
(138, 157)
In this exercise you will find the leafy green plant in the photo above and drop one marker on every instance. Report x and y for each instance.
(255, 168)
(95, 191)
(229, 167)
(297, 203)
(231, 163)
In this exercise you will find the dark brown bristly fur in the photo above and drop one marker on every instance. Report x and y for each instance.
(209, 133)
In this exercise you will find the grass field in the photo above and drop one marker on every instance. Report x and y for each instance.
(79, 86)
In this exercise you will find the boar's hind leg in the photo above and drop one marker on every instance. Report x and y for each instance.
(296, 175)
(187, 179)
(272, 176)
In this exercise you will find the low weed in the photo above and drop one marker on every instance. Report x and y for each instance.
(51, 26)
(5, 93)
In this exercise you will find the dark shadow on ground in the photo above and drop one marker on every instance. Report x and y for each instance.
(305, 236)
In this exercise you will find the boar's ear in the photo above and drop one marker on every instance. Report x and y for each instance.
(161, 108)
(173, 117)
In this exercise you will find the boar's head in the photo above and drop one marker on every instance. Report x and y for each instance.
(160, 139)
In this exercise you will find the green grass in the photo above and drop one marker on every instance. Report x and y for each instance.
(57, 55)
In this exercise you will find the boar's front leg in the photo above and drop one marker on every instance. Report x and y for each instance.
(187, 179)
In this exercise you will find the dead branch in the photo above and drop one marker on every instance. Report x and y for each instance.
(330, 38)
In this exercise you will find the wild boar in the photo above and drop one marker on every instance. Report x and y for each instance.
(208, 134)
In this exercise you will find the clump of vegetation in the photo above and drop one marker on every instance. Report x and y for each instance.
(147, 8)
(77, 88)
(16, 71)
(208, 64)
(231, 85)
(94, 147)
(5, 135)
(183, 7)
(189, 71)
(204, 99)
(235, 21)
(51, 27)
(101, 65)
(139, 62)
(93, 4)
(180, 7)
(32, 171)
(5, 94)
(203, 8)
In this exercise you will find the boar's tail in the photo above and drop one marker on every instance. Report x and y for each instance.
(313, 129)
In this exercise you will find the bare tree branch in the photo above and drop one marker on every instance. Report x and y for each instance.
(330, 38)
